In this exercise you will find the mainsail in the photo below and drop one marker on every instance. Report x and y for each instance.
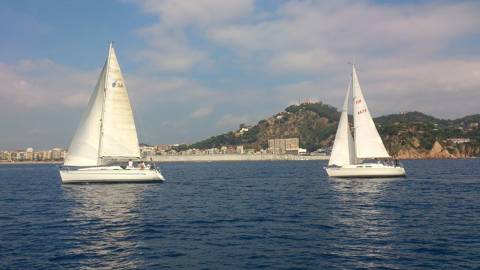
(343, 147)
(368, 143)
(107, 131)
(119, 136)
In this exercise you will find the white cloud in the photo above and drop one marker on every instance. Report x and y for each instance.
(34, 83)
(168, 41)
(404, 52)
(302, 61)
(180, 13)
(145, 89)
(201, 112)
(169, 49)
(314, 40)
(352, 26)
(394, 85)
(172, 59)
(445, 88)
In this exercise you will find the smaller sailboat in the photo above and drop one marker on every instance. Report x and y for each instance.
(105, 146)
(363, 155)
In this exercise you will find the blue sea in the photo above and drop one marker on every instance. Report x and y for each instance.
(244, 215)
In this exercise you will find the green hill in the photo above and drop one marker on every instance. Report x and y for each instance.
(315, 125)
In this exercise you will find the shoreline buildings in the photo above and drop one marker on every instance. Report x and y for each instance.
(54, 154)
(288, 146)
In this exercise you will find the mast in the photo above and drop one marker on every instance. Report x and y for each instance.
(103, 105)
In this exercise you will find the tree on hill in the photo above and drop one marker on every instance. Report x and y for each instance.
(322, 110)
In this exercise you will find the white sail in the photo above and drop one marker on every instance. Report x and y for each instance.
(83, 150)
(118, 134)
(107, 131)
(343, 152)
(368, 143)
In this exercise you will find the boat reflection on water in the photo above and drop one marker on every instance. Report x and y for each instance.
(364, 220)
(104, 218)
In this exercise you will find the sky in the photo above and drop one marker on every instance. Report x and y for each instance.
(199, 68)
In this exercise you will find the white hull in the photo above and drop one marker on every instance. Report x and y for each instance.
(366, 170)
(110, 174)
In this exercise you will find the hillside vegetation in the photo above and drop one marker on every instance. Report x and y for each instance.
(407, 135)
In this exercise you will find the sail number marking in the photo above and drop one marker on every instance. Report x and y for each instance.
(364, 110)
(117, 83)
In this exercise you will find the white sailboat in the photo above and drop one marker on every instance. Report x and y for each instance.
(350, 156)
(106, 137)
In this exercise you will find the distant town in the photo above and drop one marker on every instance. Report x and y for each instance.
(54, 154)
(289, 146)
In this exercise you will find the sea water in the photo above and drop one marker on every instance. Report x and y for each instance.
(244, 215)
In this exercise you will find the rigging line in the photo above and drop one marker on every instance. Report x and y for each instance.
(105, 85)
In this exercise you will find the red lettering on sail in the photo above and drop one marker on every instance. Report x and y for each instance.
(362, 111)
(358, 101)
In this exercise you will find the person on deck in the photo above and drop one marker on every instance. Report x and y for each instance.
(130, 164)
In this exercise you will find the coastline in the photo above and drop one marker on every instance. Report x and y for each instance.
(3, 162)
(231, 157)
(263, 157)
(228, 158)
(201, 158)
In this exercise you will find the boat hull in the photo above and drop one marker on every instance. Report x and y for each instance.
(366, 171)
(113, 174)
